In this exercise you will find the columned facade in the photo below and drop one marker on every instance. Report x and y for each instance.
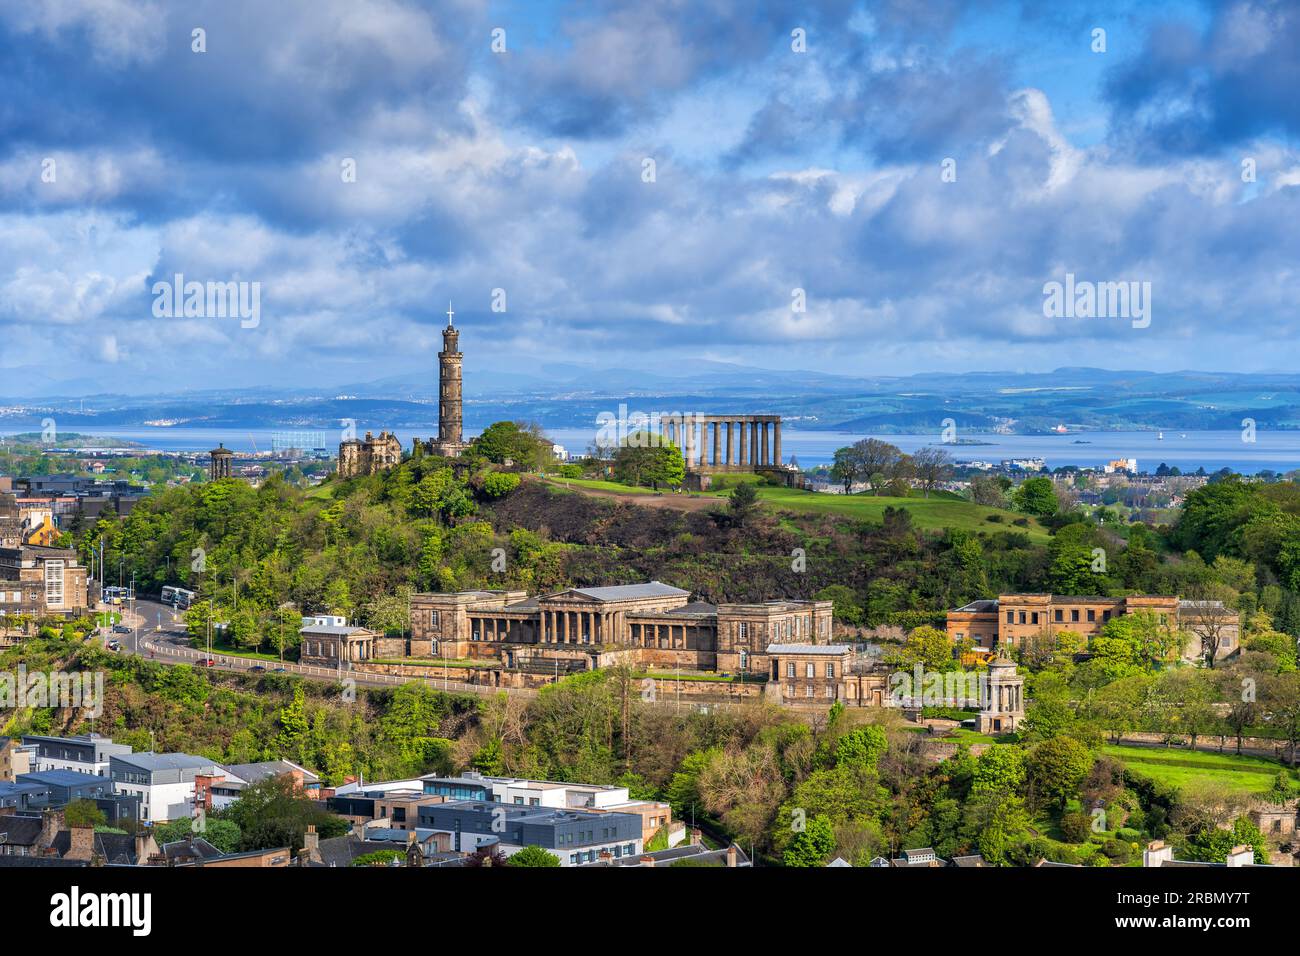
(720, 443)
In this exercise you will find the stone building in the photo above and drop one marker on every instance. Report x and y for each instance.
(37, 580)
(1012, 619)
(652, 625)
(329, 641)
(370, 455)
(219, 465)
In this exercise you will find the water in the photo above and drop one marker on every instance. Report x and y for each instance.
(1276, 450)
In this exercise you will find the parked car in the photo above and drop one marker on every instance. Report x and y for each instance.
(121, 629)
(256, 668)
(279, 670)
(209, 662)
(114, 645)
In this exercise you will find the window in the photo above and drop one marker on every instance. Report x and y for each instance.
(808, 691)
(1022, 617)
(433, 619)
(789, 669)
(1092, 615)
(1059, 615)
(1074, 614)
(830, 670)
(54, 583)
(742, 631)
(744, 660)
(810, 670)
(1105, 615)
(1011, 617)
(1033, 618)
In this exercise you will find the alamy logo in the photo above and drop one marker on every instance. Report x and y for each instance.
(1098, 300)
(82, 690)
(76, 909)
(211, 300)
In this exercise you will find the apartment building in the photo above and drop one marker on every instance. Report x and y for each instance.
(164, 783)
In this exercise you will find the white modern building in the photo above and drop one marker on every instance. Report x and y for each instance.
(163, 782)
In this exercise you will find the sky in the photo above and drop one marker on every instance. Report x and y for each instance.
(863, 188)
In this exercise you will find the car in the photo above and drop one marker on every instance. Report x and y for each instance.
(209, 662)
(121, 629)
(256, 668)
(279, 670)
(114, 645)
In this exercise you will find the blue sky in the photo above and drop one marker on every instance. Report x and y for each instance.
(775, 170)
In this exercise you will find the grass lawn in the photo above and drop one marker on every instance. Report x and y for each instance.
(936, 512)
(1183, 768)
(617, 487)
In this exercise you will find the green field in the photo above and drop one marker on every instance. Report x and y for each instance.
(936, 512)
(941, 510)
(1187, 768)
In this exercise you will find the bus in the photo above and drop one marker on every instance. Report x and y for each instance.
(116, 595)
(178, 598)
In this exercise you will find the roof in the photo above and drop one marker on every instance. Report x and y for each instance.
(695, 607)
(62, 778)
(827, 650)
(192, 849)
(20, 830)
(691, 851)
(113, 847)
(175, 761)
(983, 606)
(630, 592)
(255, 772)
(329, 629)
(974, 859)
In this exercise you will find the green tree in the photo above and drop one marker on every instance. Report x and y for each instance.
(813, 845)
(1036, 496)
(533, 856)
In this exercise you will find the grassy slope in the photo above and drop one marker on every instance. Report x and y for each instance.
(937, 512)
(1182, 768)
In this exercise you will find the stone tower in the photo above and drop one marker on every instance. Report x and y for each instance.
(450, 441)
(449, 423)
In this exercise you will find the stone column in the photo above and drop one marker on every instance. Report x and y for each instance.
(776, 441)
(688, 449)
(754, 458)
(744, 442)
(717, 443)
(731, 446)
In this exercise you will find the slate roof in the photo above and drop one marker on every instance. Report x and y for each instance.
(19, 830)
(256, 772)
(174, 761)
(631, 592)
(113, 847)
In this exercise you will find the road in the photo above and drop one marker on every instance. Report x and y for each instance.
(159, 633)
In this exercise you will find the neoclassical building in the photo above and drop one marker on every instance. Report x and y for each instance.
(651, 625)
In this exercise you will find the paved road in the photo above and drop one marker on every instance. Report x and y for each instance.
(159, 634)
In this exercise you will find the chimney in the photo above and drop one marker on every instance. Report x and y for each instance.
(145, 847)
(82, 844)
(311, 842)
(1241, 856)
(51, 824)
(1157, 853)
(647, 861)
(606, 856)
(731, 856)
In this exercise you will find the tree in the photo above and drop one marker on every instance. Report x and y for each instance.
(648, 459)
(533, 856)
(846, 608)
(1056, 768)
(498, 484)
(510, 441)
(742, 503)
(84, 813)
(932, 466)
(275, 813)
(812, 845)
(1036, 496)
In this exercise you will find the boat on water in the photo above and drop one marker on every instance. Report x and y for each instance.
(1160, 436)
